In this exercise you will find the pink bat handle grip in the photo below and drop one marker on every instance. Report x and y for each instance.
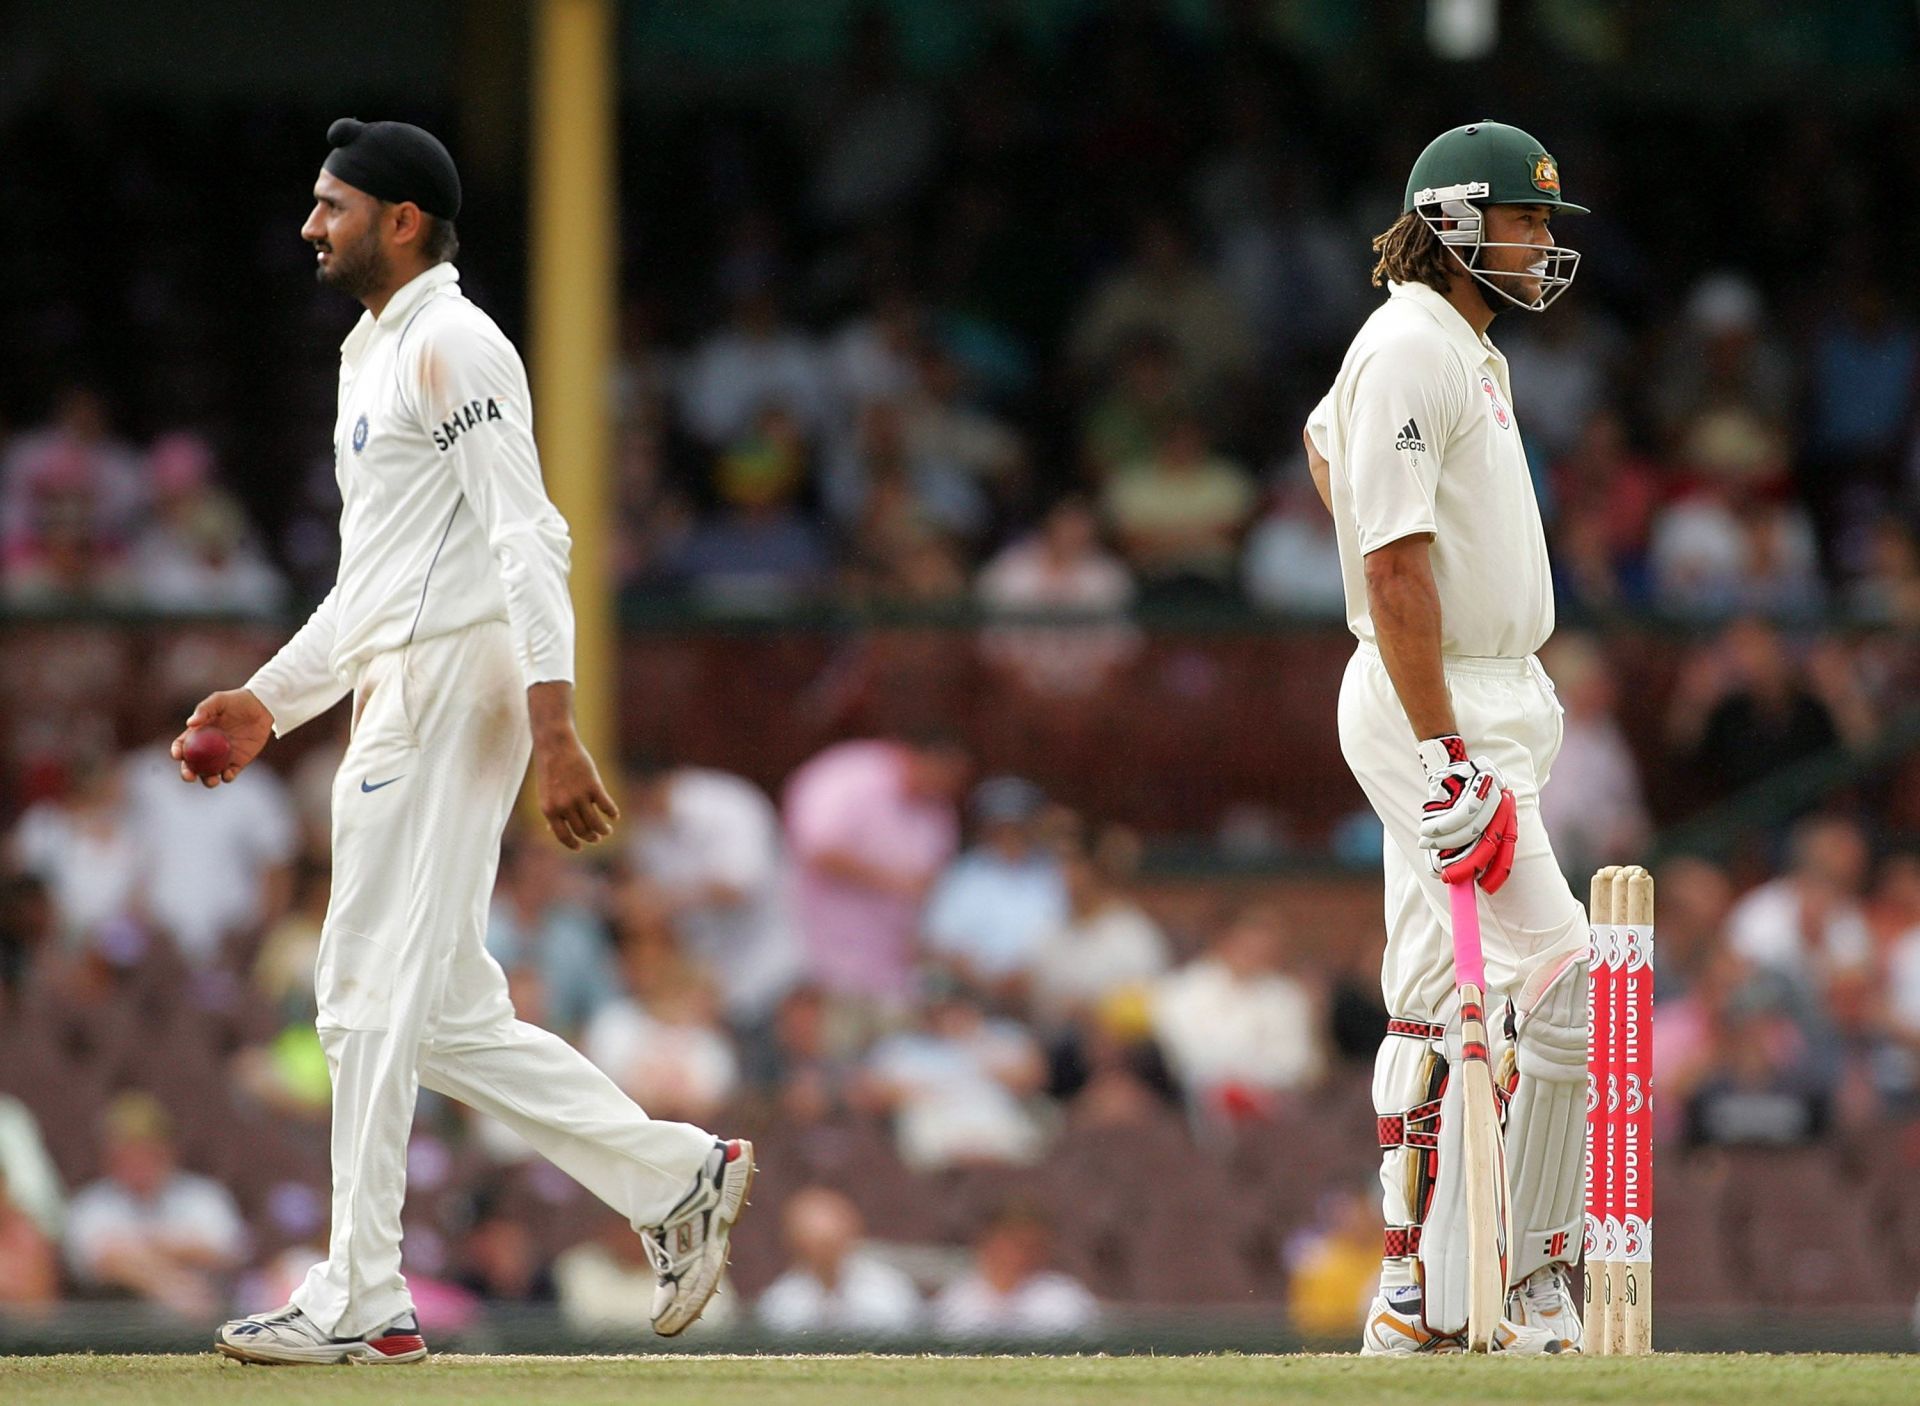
(1469, 962)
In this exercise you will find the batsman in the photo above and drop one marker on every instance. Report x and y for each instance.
(1444, 711)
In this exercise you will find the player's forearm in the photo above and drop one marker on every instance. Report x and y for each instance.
(550, 713)
(298, 683)
(1405, 606)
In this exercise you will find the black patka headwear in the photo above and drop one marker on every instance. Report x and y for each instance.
(395, 161)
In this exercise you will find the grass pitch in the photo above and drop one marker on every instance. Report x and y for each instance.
(661, 1380)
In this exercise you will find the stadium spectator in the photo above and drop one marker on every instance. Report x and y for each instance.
(1106, 945)
(1887, 588)
(29, 1261)
(1807, 926)
(1593, 805)
(288, 1073)
(705, 847)
(499, 1259)
(1333, 1265)
(1010, 1292)
(757, 362)
(1697, 975)
(1179, 512)
(1721, 550)
(149, 1229)
(1292, 562)
(833, 1285)
(958, 1086)
(1605, 495)
(870, 826)
(195, 553)
(62, 558)
(662, 1042)
(1138, 407)
(219, 861)
(1163, 288)
(75, 460)
(1722, 357)
(1238, 1031)
(989, 910)
(1864, 367)
(957, 448)
(875, 356)
(760, 551)
(1061, 567)
(1743, 709)
(804, 1061)
(900, 552)
(544, 920)
(1768, 1088)
(86, 848)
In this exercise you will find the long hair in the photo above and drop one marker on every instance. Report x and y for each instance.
(1410, 252)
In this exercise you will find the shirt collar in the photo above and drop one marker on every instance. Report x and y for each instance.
(401, 306)
(1474, 346)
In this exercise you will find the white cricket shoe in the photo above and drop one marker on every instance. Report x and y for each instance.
(689, 1248)
(1544, 1299)
(1392, 1331)
(286, 1337)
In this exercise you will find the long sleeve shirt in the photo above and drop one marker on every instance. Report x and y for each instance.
(444, 520)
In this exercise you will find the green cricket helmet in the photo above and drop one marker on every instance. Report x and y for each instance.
(1490, 163)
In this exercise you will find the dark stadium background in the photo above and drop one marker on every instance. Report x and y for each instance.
(951, 214)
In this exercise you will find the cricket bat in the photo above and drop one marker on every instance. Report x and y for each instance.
(1486, 1161)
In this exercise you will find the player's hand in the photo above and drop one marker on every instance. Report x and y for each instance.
(245, 720)
(1489, 858)
(577, 807)
(1462, 794)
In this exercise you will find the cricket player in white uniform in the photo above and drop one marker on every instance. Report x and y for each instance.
(1444, 707)
(451, 626)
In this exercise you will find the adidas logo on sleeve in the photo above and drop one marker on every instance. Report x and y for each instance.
(1410, 439)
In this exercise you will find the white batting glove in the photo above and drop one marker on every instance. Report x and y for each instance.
(1462, 794)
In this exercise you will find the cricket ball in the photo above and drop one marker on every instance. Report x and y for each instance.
(207, 751)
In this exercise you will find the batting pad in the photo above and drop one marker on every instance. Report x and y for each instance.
(1546, 1125)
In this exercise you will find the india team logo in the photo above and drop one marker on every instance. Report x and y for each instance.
(359, 434)
(1500, 415)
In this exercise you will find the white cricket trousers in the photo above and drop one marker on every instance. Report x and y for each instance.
(1534, 934)
(408, 995)
(1506, 710)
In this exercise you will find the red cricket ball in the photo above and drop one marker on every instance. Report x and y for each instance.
(206, 751)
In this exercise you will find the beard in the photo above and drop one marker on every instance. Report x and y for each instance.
(355, 269)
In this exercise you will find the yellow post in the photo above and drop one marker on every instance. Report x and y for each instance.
(574, 292)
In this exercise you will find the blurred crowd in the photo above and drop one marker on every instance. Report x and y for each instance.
(1038, 332)
(931, 997)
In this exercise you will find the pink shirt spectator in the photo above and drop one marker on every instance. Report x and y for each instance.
(856, 799)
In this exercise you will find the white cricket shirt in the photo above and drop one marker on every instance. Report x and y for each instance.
(444, 521)
(1420, 435)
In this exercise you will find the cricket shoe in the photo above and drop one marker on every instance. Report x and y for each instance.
(689, 1248)
(1544, 1299)
(1401, 1331)
(286, 1337)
